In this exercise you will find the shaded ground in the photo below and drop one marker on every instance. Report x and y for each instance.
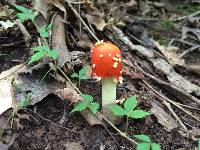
(39, 133)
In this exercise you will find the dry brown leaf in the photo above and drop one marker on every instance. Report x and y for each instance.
(84, 40)
(59, 42)
(59, 5)
(6, 89)
(6, 95)
(68, 94)
(131, 3)
(97, 18)
(41, 6)
(163, 118)
(171, 53)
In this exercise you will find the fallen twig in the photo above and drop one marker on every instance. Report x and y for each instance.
(196, 47)
(160, 64)
(27, 36)
(83, 22)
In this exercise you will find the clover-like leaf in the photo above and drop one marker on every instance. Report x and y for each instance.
(143, 138)
(74, 75)
(79, 106)
(143, 146)
(87, 97)
(31, 16)
(94, 107)
(37, 56)
(53, 54)
(84, 73)
(23, 9)
(130, 103)
(22, 16)
(117, 110)
(43, 31)
(136, 114)
(41, 48)
(155, 146)
(49, 27)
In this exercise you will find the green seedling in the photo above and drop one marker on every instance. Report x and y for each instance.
(198, 145)
(83, 74)
(168, 24)
(129, 110)
(22, 104)
(146, 143)
(188, 9)
(26, 14)
(41, 51)
(87, 102)
(44, 30)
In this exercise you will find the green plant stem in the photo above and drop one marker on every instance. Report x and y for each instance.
(108, 91)
(46, 43)
(44, 76)
(113, 83)
(10, 118)
(99, 115)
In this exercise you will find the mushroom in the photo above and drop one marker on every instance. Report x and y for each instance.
(107, 67)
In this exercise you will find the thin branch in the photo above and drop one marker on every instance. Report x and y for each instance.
(196, 47)
(166, 104)
(83, 22)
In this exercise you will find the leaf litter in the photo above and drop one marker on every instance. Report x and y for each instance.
(98, 21)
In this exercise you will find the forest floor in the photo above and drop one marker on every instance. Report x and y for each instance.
(38, 125)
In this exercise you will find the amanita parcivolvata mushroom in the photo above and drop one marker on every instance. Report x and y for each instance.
(107, 67)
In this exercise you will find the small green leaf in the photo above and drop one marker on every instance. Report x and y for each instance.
(49, 27)
(26, 13)
(87, 97)
(23, 9)
(25, 102)
(117, 110)
(130, 103)
(22, 16)
(37, 56)
(53, 54)
(94, 107)
(41, 48)
(42, 28)
(138, 114)
(31, 16)
(155, 146)
(143, 146)
(84, 73)
(43, 32)
(143, 138)
(74, 75)
(198, 144)
(79, 106)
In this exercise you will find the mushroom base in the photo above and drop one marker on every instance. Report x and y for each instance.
(109, 97)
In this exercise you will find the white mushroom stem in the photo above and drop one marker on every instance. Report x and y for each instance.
(108, 91)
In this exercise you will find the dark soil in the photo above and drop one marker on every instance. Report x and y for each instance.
(13, 50)
(39, 133)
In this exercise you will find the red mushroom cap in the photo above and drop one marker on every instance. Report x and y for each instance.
(106, 60)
